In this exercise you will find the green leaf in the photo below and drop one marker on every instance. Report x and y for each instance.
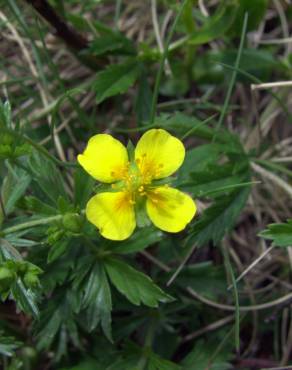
(47, 178)
(57, 249)
(97, 300)
(8, 345)
(181, 124)
(24, 298)
(115, 79)
(202, 356)
(114, 43)
(219, 218)
(143, 99)
(5, 114)
(205, 278)
(49, 331)
(140, 240)
(259, 63)
(217, 179)
(133, 284)
(158, 363)
(256, 10)
(83, 186)
(14, 187)
(280, 234)
(215, 26)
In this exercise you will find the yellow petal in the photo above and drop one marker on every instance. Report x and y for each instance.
(159, 154)
(170, 209)
(104, 158)
(112, 214)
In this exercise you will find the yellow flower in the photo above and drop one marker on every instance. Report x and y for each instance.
(135, 184)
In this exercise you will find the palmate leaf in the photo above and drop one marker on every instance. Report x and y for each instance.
(115, 79)
(280, 234)
(133, 284)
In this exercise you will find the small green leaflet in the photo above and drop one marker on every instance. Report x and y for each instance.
(133, 284)
(280, 234)
(115, 79)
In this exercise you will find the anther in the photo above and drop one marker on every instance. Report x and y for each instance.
(141, 188)
(131, 201)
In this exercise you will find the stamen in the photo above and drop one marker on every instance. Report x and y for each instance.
(131, 201)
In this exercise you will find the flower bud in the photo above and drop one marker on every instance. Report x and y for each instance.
(6, 278)
(72, 222)
(30, 280)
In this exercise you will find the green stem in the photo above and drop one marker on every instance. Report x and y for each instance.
(234, 74)
(162, 61)
(235, 294)
(147, 345)
(28, 224)
(38, 147)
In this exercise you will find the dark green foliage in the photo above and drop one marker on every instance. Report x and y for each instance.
(72, 300)
(280, 234)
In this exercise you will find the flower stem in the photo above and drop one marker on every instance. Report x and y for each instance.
(28, 224)
(162, 61)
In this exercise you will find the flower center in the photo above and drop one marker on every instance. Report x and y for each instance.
(137, 179)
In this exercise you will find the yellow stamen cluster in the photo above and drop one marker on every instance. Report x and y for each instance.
(137, 179)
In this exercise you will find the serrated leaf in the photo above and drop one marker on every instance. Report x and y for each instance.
(280, 234)
(133, 284)
(115, 79)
